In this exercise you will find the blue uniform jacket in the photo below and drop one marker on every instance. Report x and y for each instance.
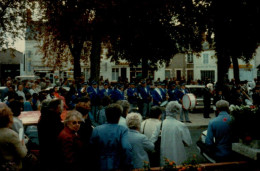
(181, 93)
(172, 95)
(156, 98)
(104, 92)
(145, 94)
(93, 95)
(132, 95)
(163, 93)
(117, 95)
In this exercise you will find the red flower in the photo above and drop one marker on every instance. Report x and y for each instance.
(252, 107)
(225, 119)
(248, 138)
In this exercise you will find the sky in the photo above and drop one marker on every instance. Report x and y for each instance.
(19, 45)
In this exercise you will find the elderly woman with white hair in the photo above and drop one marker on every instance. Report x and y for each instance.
(139, 142)
(174, 136)
(69, 141)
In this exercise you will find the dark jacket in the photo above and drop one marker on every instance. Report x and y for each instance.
(49, 127)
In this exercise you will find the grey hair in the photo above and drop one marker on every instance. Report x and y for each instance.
(125, 105)
(222, 105)
(133, 120)
(173, 108)
(72, 114)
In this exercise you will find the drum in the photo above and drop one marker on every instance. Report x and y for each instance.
(189, 101)
(164, 103)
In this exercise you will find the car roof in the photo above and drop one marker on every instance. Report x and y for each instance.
(195, 86)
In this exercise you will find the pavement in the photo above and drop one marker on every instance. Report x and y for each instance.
(198, 121)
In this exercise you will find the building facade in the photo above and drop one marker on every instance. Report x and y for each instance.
(11, 61)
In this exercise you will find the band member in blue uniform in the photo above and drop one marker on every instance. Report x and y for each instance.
(172, 92)
(184, 112)
(106, 91)
(163, 91)
(157, 95)
(132, 96)
(146, 98)
(93, 92)
(118, 93)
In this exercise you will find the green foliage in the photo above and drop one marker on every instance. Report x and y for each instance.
(245, 122)
(12, 20)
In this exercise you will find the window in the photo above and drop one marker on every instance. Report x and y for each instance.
(190, 57)
(178, 74)
(167, 73)
(115, 73)
(205, 58)
(190, 74)
(205, 75)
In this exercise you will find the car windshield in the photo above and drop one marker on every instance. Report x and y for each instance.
(198, 92)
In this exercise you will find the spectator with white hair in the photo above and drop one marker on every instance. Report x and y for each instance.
(174, 136)
(126, 106)
(140, 143)
(218, 137)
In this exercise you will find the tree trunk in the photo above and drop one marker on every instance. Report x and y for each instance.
(223, 66)
(76, 52)
(95, 59)
(235, 69)
(144, 67)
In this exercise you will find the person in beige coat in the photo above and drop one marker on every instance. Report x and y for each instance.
(12, 149)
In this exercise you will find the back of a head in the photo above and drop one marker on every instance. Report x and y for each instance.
(173, 108)
(105, 101)
(222, 105)
(113, 113)
(5, 115)
(125, 105)
(54, 103)
(133, 121)
(16, 107)
(155, 112)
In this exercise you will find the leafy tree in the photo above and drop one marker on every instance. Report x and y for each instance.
(155, 30)
(63, 30)
(235, 26)
(12, 20)
(141, 32)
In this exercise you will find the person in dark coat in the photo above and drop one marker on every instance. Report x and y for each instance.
(207, 94)
(85, 131)
(49, 127)
(218, 96)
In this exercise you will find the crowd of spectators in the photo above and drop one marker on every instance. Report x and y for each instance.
(104, 127)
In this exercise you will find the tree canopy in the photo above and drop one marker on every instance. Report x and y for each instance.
(137, 31)
(12, 21)
(235, 29)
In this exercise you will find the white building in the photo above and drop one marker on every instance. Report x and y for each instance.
(247, 71)
(205, 66)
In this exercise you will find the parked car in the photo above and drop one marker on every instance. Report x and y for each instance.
(27, 77)
(198, 90)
